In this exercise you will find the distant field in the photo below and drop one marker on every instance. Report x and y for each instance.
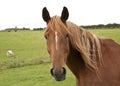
(108, 33)
(29, 48)
(31, 65)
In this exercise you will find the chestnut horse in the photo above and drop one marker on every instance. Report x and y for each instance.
(94, 61)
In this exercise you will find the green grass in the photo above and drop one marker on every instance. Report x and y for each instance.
(22, 43)
(108, 33)
(28, 46)
(31, 65)
(35, 75)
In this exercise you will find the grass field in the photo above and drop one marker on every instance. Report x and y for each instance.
(34, 75)
(30, 66)
(108, 33)
(28, 46)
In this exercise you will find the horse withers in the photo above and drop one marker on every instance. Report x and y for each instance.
(94, 61)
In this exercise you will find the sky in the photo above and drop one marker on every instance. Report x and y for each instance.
(28, 13)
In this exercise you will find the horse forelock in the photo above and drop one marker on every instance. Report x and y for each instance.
(56, 25)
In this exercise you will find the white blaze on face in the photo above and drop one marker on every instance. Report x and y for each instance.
(56, 40)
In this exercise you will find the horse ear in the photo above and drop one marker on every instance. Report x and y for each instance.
(65, 14)
(45, 15)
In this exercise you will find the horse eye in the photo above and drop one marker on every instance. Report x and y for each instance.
(46, 37)
(67, 35)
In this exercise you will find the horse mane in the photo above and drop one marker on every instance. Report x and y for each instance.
(86, 43)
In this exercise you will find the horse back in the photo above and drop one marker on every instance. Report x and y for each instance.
(110, 47)
(111, 62)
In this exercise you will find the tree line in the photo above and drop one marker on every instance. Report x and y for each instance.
(102, 26)
(24, 28)
(99, 26)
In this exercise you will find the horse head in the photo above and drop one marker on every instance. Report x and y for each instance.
(57, 40)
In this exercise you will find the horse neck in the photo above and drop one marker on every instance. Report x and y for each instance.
(75, 61)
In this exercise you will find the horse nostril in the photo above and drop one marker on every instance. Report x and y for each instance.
(64, 71)
(51, 71)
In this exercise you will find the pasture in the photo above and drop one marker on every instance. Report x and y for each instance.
(27, 46)
(30, 66)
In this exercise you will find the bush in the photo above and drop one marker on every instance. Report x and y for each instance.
(38, 29)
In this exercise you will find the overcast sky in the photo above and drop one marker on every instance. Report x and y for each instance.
(28, 13)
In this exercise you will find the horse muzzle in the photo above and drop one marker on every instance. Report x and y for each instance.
(58, 74)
